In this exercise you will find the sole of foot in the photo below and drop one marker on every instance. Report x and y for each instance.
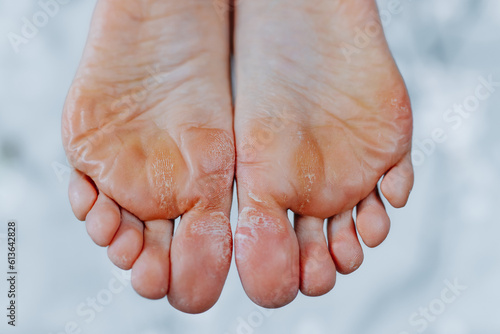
(317, 127)
(147, 125)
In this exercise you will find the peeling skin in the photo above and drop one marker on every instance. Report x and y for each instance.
(354, 264)
(254, 197)
(251, 223)
(217, 228)
(161, 176)
(255, 219)
(124, 259)
(309, 164)
(216, 224)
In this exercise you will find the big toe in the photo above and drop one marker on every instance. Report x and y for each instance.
(200, 259)
(267, 256)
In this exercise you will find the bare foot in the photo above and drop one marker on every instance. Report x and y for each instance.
(147, 126)
(315, 132)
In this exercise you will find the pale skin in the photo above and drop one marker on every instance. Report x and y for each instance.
(151, 131)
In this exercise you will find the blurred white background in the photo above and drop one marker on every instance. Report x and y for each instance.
(448, 233)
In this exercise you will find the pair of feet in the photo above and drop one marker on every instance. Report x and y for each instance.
(149, 127)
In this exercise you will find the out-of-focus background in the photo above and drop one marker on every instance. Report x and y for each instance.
(437, 273)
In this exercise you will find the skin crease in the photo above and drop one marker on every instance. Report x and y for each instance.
(315, 132)
(148, 126)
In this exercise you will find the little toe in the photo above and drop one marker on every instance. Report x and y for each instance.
(103, 220)
(200, 260)
(151, 270)
(267, 256)
(372, 221)
(398, 182)
(127, 243)
(317, 269)
(344, 244)
(82, 194)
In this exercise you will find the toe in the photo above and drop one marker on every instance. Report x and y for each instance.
(372, 220)
(82, 194)
(344, 244)
(317, 270)
(267, 255)
(201, 256)
(398, 182)
(151, 270)
(103, 220)
(127, 243)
